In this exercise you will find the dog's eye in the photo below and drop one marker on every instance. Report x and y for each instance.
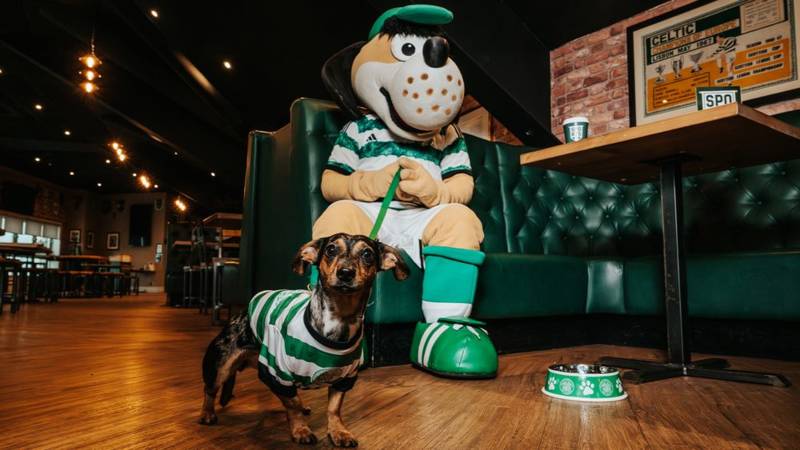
(368, 256)
(404, 46)
(330, 251)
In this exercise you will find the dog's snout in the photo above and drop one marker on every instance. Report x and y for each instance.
(346, 274)
(436, 51)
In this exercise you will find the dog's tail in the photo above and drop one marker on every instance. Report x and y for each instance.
(227, 389)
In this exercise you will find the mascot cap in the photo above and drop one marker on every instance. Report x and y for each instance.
(421, 14)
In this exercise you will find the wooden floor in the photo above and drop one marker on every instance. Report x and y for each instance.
(125, 373)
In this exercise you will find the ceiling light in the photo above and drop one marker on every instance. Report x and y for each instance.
(38, 106)
(154, 13)
(37, 159)
(90, 75)
(67, 133)
(180, 204)
(71, 173)
(144, 180)
(155, 186)
(108, 161)
(88, 87)
(175, 153)
(134, 174)
(99, 184)
(213, 174)
(90, 60)
(1, 70)
(115, 145)
(227, 64)
(122, 157)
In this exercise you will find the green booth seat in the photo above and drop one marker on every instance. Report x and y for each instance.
(556, 244)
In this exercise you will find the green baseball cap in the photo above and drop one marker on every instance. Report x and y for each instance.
(422, 14)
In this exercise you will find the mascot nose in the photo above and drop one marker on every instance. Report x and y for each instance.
(436, 50)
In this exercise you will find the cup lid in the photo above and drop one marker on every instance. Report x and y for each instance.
(575, 120)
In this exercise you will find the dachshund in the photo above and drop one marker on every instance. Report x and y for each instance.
(301, 338)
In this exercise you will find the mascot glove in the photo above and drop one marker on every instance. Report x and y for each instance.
(418, 182)
(371, 185)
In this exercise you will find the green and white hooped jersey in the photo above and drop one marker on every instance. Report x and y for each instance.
(366, 144)
(292, 353)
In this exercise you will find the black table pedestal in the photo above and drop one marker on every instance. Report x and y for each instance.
(678, 358)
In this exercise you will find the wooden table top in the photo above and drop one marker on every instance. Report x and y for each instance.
(724, 137)
(24, 249)
(83, 257)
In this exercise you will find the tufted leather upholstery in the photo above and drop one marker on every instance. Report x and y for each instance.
(556, 243)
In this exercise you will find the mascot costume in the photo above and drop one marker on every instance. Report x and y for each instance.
(412, 92)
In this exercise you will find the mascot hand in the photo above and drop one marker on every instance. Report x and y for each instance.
(418, 183)
(371, 185)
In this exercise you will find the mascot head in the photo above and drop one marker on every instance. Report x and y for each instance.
(403, 73)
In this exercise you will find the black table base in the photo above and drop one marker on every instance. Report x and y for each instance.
(679, 362)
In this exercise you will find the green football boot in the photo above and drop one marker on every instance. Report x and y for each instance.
(457, 347)
(452, 344)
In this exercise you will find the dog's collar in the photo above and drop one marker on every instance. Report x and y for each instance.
(336, 345)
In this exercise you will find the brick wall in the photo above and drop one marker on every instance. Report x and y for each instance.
(589, 77)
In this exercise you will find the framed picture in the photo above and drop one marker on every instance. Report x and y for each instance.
(752, 44)
(158, 204)
(90, 239)
(112, 241)
(75, 236)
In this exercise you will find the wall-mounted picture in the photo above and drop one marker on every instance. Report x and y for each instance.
(75, 236)
(751, 44)
(112, 241)
(90, 239)
(158, 204)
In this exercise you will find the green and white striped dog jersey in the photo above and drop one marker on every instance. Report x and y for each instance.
(366, 144)
(292, 353)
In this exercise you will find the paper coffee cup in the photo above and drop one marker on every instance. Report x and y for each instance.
(576, 128)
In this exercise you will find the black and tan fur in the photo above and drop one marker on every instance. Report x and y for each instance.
(347, 269)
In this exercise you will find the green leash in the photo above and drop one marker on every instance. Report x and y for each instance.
(385, 205)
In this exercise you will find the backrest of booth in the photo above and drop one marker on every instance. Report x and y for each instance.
(523, 209)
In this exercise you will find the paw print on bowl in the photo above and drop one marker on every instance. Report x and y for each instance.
(551, 383)
(586, 387)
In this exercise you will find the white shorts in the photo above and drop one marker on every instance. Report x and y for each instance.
(402, 228)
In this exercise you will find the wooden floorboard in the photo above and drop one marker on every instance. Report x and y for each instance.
(125, 373)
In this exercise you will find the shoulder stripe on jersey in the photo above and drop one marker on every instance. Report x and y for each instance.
(458, 146)
(369, 123)
(376, 148)
(291, 314)
(282, 306)
(347, 142)
(254, 302)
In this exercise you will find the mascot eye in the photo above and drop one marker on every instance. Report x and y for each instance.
(404, 47)
(368, 257)
(331, 250)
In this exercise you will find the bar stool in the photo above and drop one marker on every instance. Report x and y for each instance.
(10, 284)
(191, 277)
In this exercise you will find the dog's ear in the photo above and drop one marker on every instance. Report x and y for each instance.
(336, 78)
(308, 254)
(392, 259)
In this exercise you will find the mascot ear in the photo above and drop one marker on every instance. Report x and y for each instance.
(336, 78)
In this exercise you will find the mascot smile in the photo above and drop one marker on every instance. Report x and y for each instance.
(403, 94)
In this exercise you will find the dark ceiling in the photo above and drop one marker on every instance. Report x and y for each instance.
(165, 93)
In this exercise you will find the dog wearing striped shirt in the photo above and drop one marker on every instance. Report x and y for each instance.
(304, 339)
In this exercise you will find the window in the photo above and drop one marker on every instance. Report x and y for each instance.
(26, 231)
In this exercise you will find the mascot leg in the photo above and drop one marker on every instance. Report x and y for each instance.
(450, 343)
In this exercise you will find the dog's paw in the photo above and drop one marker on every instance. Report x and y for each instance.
(207, 418)
(303, 435)
(342, 438)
